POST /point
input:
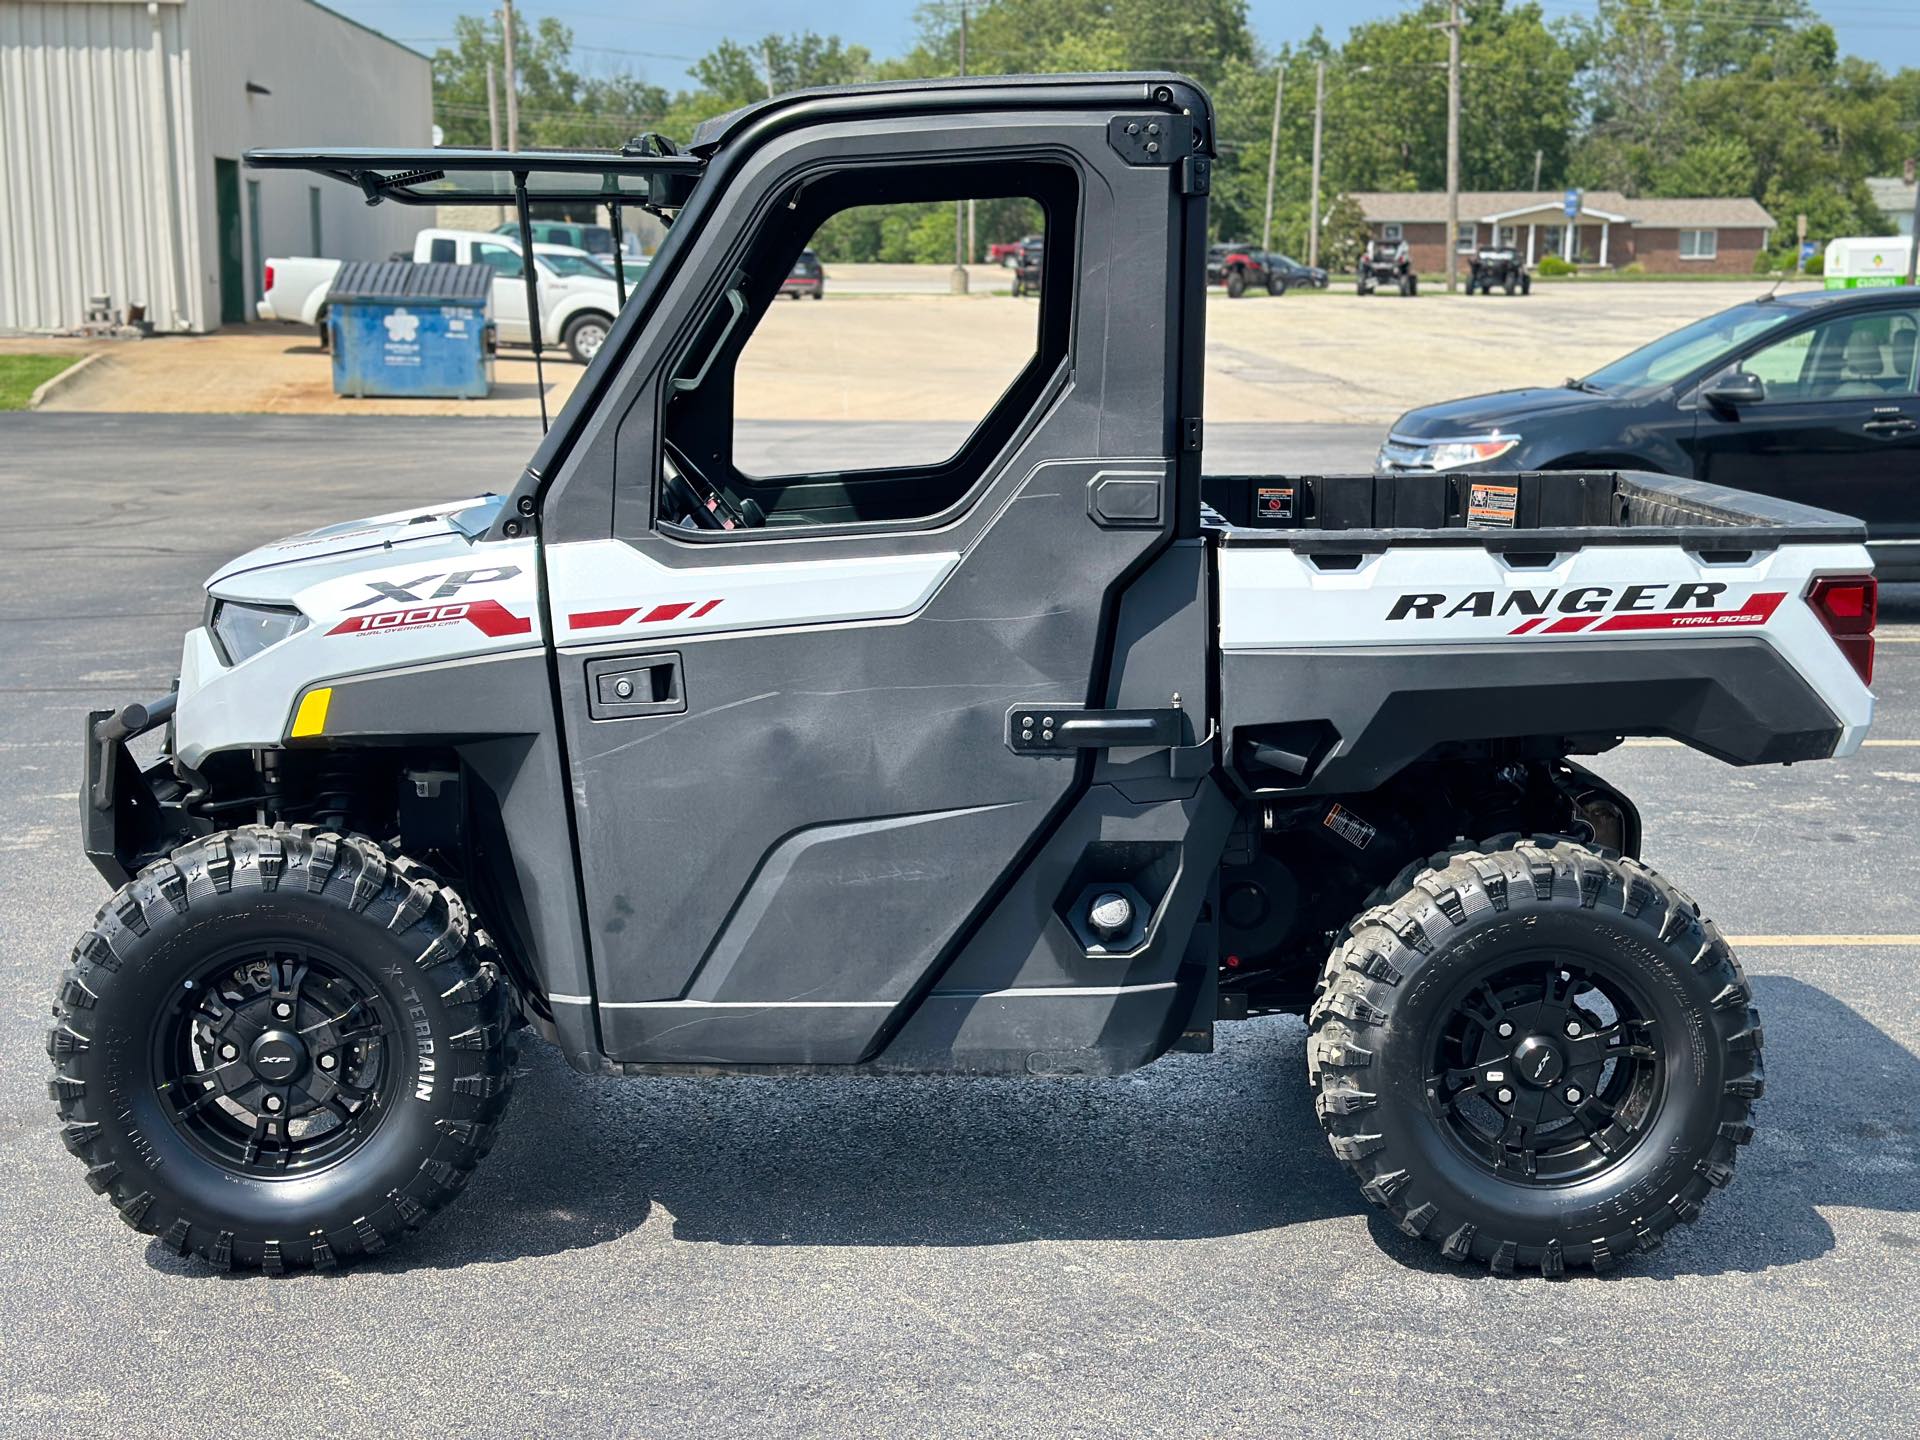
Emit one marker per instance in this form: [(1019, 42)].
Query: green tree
[(559, 106)]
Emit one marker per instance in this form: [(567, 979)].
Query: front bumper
[(129, 816)]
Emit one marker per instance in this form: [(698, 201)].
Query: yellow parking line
[(1806, 940)]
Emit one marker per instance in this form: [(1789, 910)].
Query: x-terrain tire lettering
[(1537, 1056), (278, 1048)]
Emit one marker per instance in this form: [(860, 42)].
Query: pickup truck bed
[(1638, 605)]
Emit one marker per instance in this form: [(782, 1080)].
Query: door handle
[(624, 686), (1891, 425)]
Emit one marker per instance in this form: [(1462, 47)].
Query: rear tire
[(1236, 284), (278, 1049), (585, 334), (1630, 1010)]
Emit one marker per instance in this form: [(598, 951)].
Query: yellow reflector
[(311, 718)]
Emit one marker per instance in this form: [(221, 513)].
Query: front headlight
[(242, 631), (1402, 454)]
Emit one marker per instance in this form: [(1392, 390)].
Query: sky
[(658, 39)]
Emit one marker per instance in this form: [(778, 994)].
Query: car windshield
[(1688, 348), (576, 265)]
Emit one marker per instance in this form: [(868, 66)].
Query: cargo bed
[(1366, 620)]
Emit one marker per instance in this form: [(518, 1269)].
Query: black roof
[(966, 92)]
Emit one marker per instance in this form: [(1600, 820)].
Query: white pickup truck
[(578, 295)]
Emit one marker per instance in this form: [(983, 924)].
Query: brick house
[(1714, 235)]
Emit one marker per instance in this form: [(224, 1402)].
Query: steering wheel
[(705, 504)]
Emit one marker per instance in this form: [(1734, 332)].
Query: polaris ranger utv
[(1038, 759)]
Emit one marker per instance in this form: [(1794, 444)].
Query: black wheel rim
[(1547, 1070), (274, 1060)]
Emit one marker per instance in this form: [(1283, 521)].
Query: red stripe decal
[(703, 609), (666, 612), (494, 619), (1526, 625), (1569, 625), (598, 619), (1757, 611)]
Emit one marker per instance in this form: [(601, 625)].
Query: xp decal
[(451, 584)]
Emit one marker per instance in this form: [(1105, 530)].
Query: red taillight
[(1847, 606), (269, 284)]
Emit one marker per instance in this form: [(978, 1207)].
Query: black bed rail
[(1531, 511)]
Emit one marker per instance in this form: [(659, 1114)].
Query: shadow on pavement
[(1191, 1147)]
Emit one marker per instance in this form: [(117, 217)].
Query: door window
[(808, 406), (440, 251), (1867, 356), (504, 261)]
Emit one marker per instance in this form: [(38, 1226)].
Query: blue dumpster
[(401, 329)]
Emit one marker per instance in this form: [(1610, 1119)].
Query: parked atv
[(1384, 264), (1039, 759), (1503, 268)]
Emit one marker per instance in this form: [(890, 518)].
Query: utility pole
[(513, 87), (973, 248), (493, 128), (960, 218), (1273, 156), (1313, 201), (766, 63), (1453, 144), (1538, 156)]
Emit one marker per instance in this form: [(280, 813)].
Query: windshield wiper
[(1586, 386)]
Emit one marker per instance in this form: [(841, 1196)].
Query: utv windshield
[(1687, 349)]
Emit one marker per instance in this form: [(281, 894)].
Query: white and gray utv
[(1042, 758)]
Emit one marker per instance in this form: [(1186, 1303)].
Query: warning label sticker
[(1273, 503), (1349, 827), (1492, 507)]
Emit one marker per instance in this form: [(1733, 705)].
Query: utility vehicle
[(1040, 758), (1503, 267), (1236, 268), (1385, 263)]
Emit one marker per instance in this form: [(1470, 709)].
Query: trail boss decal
[(1695, 605)]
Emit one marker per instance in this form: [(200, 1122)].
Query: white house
[(122, 123)]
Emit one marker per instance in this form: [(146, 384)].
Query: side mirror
[(1735, 389)]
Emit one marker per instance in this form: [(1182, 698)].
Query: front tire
[(1236, 284), (1537, 1057), (279, 1049)]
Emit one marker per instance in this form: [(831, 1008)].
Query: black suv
[(806, 277), (1811, 397)]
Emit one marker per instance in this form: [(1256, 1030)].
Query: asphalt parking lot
[(1169, 1252)]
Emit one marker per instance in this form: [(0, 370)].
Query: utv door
[(788, 676)]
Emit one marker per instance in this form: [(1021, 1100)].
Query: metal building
[(121, 130)]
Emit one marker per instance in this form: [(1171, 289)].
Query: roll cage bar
[(648, 172)]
